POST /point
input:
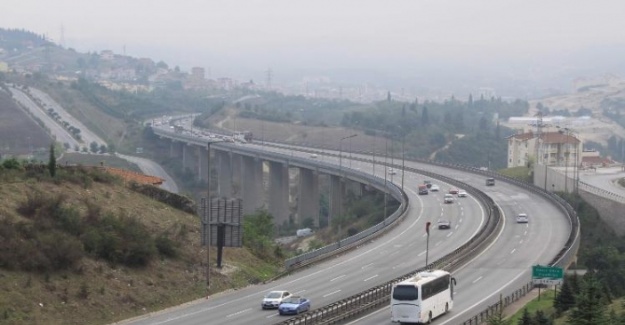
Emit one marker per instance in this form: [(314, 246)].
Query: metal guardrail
[(601, 192)]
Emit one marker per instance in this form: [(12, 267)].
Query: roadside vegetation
[(77, 246)]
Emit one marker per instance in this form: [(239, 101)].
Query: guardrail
[(601, 192)]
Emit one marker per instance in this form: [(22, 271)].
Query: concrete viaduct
[(240, 171)]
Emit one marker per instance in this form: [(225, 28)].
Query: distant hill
[(20, 39)]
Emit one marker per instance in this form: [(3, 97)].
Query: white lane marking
[(338, 277), (478, 279), (272, 315), (366, 266), (449, 234), (513, 250), (369, 278), (421, 253), (239, 312), (331, 293)]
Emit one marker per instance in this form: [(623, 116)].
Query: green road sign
[(547, 275), (547, 272)]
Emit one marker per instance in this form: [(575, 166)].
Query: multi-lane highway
[(401, 251), (57, 131), (501, 269)]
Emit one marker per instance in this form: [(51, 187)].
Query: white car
[(462, 193), (449, 198), (392, 171), (522, 218), (434, 188), (274, 298), (313, 155)]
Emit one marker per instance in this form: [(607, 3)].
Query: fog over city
[(519, 48)]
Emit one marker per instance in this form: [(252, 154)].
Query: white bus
[(423, 297)]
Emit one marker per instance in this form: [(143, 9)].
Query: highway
[(401, 251), (87, 135), (605, 178), (58, 132), (506, 266), (500, 270)]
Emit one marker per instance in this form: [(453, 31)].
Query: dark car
[(294, 305), (427, 183), (490, 181), (444, 224)]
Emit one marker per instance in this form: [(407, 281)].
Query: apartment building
[(560, 148)]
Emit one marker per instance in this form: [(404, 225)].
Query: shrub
[(165, 246)]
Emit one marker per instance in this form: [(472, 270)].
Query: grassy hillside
[(84, 249)]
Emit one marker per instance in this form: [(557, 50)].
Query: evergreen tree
[(525, 318), (565, 299), (575, 283), (541, 319), (590, 306), (52, 161)]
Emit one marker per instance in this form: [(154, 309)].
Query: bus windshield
[(405, 292)]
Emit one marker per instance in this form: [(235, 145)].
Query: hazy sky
[(232, 36)]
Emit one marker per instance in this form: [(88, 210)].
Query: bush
[(120, 240), (165, 246)]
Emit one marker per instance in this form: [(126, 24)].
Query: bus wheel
[(446, 308), (429, 318)]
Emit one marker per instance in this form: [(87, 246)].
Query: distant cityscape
[(31, 54)]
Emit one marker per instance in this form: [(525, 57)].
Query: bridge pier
[(279, 192), (252, 184), (308, 202)]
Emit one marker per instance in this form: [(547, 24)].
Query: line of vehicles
[(285, 302), (419, 299)]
